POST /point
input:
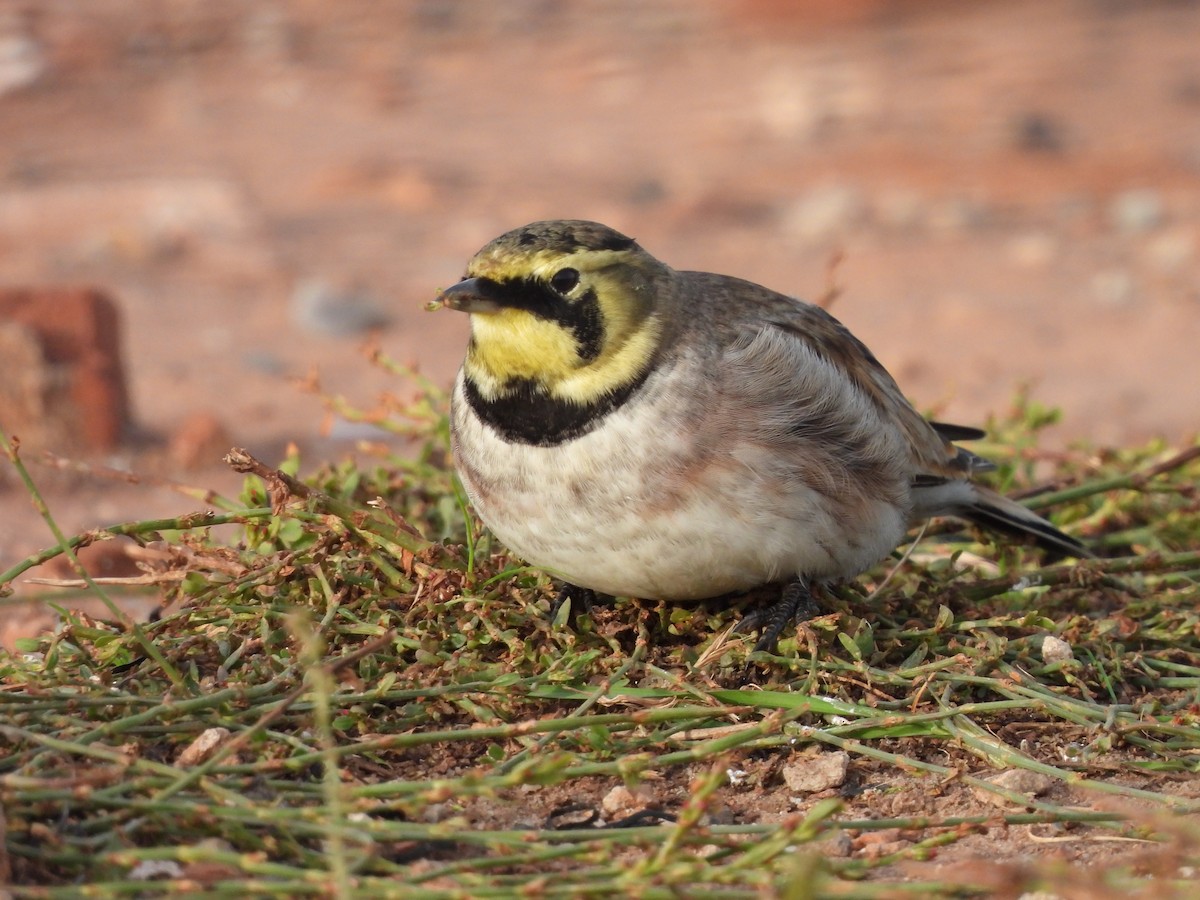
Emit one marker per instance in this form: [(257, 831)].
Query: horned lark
[(639, 431)]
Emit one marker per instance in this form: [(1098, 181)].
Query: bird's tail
[(996, 512)]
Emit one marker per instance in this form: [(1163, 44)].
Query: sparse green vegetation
[(352, 693)]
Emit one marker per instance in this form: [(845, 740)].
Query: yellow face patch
[(512, 344), (611, 370)]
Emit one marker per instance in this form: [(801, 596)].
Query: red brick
[(79, 401)]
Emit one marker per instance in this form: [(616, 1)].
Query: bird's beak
[(472, 295)]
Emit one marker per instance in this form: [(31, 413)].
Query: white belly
[(631, 509)]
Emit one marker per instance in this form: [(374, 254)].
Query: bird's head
[(568, 306)]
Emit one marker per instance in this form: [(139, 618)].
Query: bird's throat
[(526, 378), (525, 412)]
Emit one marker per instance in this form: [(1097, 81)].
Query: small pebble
[(839, 846), (156, 870), (619, 802), (1039, 132), (1021, 781), (203, 747), (1056, 650), (1136, 211), (322, 308), (23, 61), (817, 773)]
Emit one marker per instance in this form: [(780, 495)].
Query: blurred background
[(1004, 192)]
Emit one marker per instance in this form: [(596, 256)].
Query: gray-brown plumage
[(639, 431)]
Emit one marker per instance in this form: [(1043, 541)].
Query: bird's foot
[(580, 600), (796, 604)]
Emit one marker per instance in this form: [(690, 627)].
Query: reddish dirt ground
[(1013, 190)]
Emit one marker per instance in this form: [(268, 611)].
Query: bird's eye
[(564, 280)]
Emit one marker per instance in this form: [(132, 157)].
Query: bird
[(639, 431)]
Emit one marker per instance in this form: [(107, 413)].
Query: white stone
[(1136, 211), (817, 773), (1056, 650), (22, 60), (1021, 781)]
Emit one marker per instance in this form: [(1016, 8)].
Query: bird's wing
[(744, 311), (933, 455), (828, 405)]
